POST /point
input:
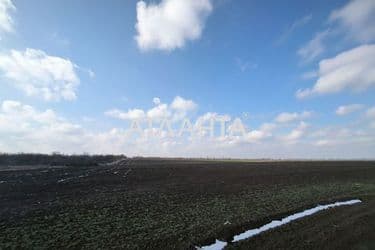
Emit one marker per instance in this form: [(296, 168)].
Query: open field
[(178, 204)]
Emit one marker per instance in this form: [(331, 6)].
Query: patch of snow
[(219, 245), (290, 218)]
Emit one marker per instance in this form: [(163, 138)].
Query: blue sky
[(283, 69)]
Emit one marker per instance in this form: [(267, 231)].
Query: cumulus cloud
[(156, 100), (265, 131), (131, 114), (36, 131), (182, 104), (171, 23), (177, 110), (46, 131), (357, 18), (336, 138), (347, 109), (296, 133), (6, 21), (286, 117), (256, 135), (39, 74), (160, 111), (28, 116), (212, 116), (350, 70)]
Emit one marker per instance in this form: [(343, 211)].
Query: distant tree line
[(56, 159)]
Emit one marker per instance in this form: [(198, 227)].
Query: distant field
[(178, 204)]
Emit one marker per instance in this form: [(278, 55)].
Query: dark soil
[(177, 204)]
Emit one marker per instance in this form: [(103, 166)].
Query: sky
[(291, 80)]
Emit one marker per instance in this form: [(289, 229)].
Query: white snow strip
[(219, 245)]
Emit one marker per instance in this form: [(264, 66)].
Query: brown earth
[(178, 204)]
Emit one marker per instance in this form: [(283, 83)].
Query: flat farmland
[(152, 203)]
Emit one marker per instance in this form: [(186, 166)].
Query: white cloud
[(257, 135), (38, 74), (350, 70), (131, 114), (314, 48), (182, 104), (324, 142), (36, 131), (11, 107), (357, 18), (171, 23), (347, 109), (268, 127), (211, 116), (6, 21), (336, 138), (44, 131), (160, 111), (177, 110), (156, 100), (18, 111), (182, 107), (296, 133), (286, 117)]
